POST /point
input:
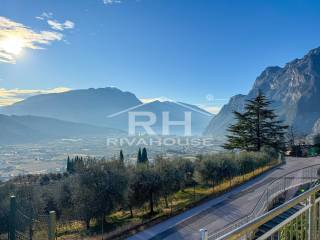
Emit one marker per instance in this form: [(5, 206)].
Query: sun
[(12, 45)]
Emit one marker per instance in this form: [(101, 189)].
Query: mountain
[(218, 125), (91, 106), (107, 107), (316, 128), (294, 90), (315, 131), (28, 129)]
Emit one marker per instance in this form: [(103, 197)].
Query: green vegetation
[(315, 149), (97, 196), (305, 150), (142, 156), (257, 127)]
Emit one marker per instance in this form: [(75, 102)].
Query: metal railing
[(275, 188), (303, 224)]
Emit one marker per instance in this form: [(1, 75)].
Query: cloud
[(209, 108), (55, 25), (160, 99), (45, 15), (212, 109), (68, 24), (112, 2), (10, 96), (15, 36), (116, 2)]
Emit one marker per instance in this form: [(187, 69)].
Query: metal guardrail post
[(313, 218), (12, 220), (204, 234), (52, 225)]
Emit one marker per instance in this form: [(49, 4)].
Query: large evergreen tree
[(257, 127)]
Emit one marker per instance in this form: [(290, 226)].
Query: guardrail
[(304, 224), (290, 180)]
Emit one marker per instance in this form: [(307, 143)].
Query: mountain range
[(91, 106), (293, 89), (105, 107)]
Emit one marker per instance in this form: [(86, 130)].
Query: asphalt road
[(221, 211)]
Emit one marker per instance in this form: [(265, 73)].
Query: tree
[(139, 157), (100, 190), (75, 164), (186, 169), (65, 198), (5, 191), (83, 199), (44, 180), (209, 171), (130, 195), (144, 156), (146, 187), (50, 203), (121, 157), (228, 169), (170, 177), (68, 165), (247, 162), (257, 127)]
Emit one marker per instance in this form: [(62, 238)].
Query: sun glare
[(12, 45)]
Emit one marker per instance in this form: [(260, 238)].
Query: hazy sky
[(187, 50)]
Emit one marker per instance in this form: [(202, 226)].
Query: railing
[(303, 224), (290, 180)]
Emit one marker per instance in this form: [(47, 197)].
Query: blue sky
[(185, 50)]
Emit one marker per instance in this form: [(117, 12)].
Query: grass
[(120, 223)]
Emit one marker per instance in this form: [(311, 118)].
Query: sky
[(196, 51)]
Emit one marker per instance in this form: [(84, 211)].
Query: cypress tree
[(257, 127), (121, 157), (71, 168), (144, 156), (139, 158), (68, 164)]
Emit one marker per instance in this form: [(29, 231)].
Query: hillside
[(28, 129)]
